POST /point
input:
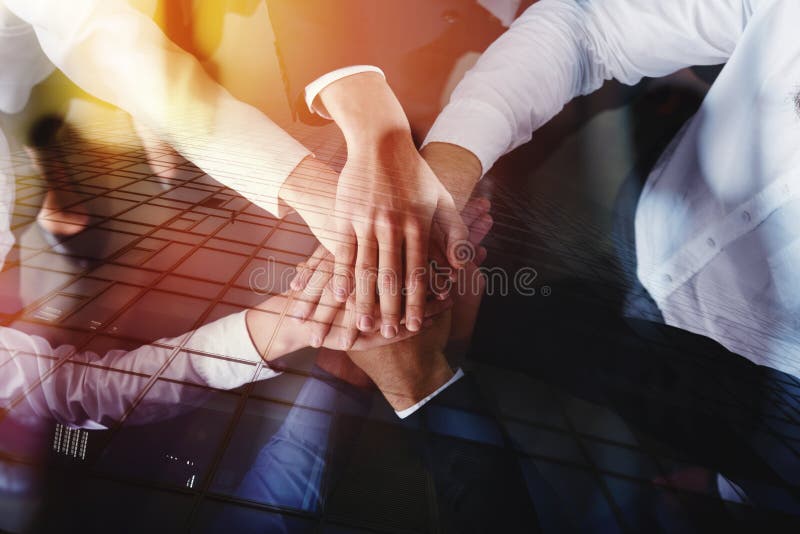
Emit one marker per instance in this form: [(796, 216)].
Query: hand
[(314, 299), (330, 323), (274, 333), (407, 371), (388, 206)]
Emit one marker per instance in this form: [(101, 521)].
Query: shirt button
[(746, 216), (711, 242)]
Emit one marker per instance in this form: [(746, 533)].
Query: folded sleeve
[(119, 55), (560, 49)]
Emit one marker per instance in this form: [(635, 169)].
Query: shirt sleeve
[(7, 196), (315, 88), (227, 338), (119, 55), (402, 414), (560, 49), (89, 390)]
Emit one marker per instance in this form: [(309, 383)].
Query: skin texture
[(315, 279), (275, 332), (311, 191), (390, 207), (408, 369), (393, 210), (457, 168)]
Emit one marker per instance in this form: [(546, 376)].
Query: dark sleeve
[(415, 42), (476, 474), (314, 37)]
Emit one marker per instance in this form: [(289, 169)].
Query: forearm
[(520, 82), (367, 111), (272, 333), (311, 186)]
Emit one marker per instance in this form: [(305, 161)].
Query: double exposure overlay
[(399, 266)]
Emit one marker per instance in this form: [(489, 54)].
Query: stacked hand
[(315, 302), (392, 214), (409, 368), (387, 218)]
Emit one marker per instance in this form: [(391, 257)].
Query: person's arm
[(90, 390), (391, 211), (119, 55), (559, 49), (408, 371), (413, 371)]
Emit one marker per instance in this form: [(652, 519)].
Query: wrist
[(342, 367), (457, 168), (310, 188), (367, 112), (271, 336), (301, 179), (402, 396)]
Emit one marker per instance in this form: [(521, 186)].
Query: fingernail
[(340, 293), (388, 331), (413, 324), (315, 341), (365, 323), (344, 343)]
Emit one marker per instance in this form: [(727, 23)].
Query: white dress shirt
[(718, 241), (97, 395), (117, 54), (93, 397)]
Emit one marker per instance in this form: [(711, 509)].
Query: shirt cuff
[(315, 88), (402, 414), (475, 126), (228, 338)]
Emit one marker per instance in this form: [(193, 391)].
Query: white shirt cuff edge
[(315, 88), (402, 414)]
